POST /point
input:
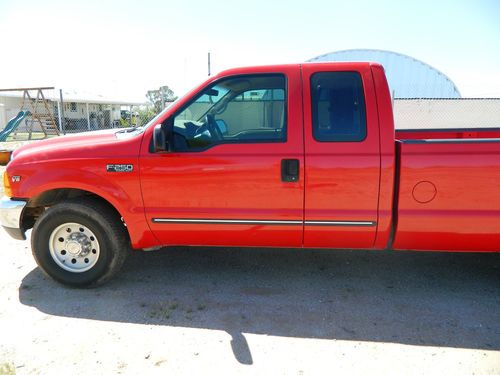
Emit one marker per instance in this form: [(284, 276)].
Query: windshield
[(214, 100), (155, 118)]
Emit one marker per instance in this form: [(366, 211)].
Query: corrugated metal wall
[(407, 77)]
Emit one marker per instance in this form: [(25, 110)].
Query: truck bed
[(448, 196)]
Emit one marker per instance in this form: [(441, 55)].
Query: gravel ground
[(256, 311), (265, 311)]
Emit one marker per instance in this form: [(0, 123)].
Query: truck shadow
[(431, 299)]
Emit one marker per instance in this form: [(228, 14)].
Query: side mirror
[(160, 142)]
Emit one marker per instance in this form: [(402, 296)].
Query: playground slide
[(12, 125)]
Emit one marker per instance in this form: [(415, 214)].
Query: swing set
[(37, 113)]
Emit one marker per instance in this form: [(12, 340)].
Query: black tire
[(100, 220)]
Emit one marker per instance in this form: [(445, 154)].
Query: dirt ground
[(265, 311)]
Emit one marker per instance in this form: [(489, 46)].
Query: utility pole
[(162, 96), (62, 126), (209, 64)]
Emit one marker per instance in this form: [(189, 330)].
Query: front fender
[(120, 189)]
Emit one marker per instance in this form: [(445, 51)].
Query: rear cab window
[(338, 107)]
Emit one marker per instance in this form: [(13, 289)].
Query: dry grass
[(7, 369), (12, 145)]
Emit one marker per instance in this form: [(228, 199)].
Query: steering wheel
[(213, 128)]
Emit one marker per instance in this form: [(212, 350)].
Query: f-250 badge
[(119, 168)]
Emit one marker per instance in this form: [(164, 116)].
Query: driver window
[(243, 109)]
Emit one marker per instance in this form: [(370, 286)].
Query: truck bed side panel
[(449, 195)]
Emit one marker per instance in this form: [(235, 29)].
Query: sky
[(124, 48)]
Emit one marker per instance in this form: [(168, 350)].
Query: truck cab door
[(342, 156), (234, 173)]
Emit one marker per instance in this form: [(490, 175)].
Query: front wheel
[(80, 243)]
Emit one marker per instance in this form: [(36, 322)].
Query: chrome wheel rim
[(74, 247)]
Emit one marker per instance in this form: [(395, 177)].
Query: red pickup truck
[(301, 155)]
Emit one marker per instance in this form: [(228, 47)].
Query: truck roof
[(277, 67)]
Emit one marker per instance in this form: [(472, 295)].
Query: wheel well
[(37, 205)]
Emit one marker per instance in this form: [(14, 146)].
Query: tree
[(146, 114), (159, 98)]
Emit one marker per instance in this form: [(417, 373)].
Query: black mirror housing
[(160, 141)]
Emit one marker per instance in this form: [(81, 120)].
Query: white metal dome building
[(407, 77)]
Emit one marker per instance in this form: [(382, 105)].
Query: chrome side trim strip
[(341, 223), (265, 222), (227, 221)]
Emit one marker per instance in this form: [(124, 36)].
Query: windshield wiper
[(130, 130)]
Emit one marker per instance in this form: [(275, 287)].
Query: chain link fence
[(447, 113), (79, 117), (35, 113)]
